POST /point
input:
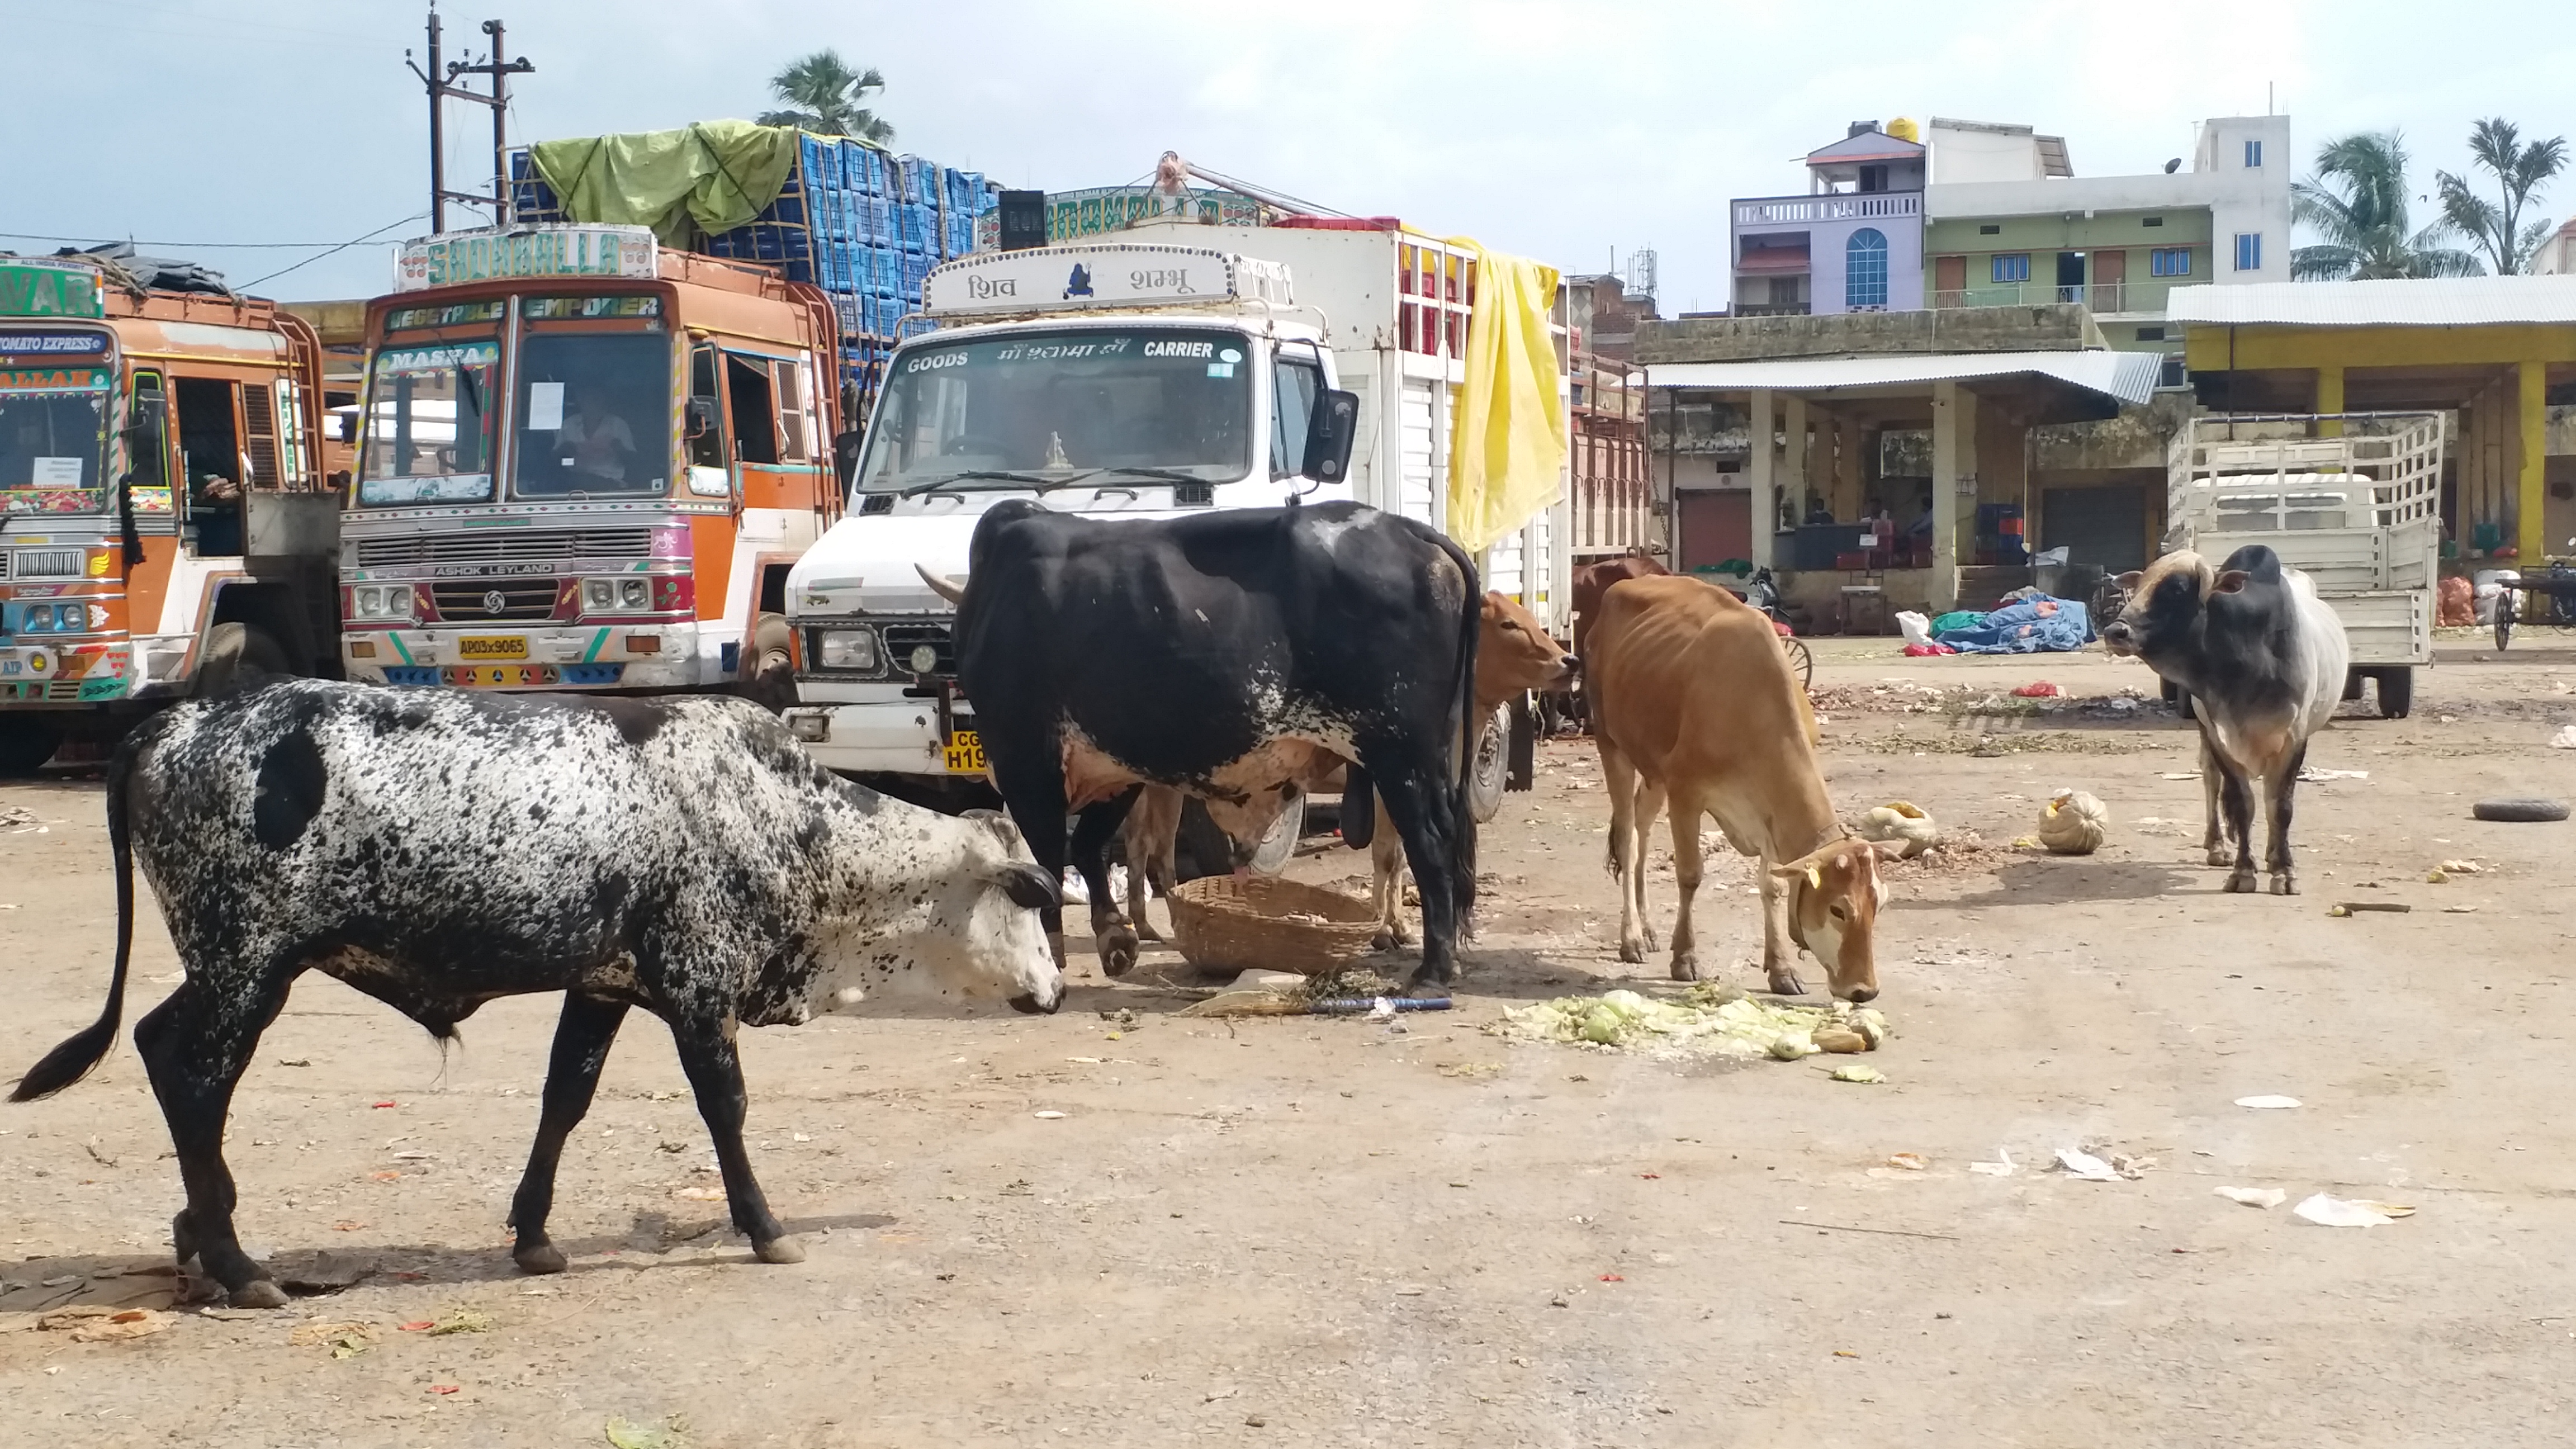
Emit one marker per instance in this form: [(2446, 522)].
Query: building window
[(1865, 269), (2253, 153), (2011, 267), (2170, 262), (2175, 374), (1873, 178), (2151, 334), (1991, 228), (2152, 221), (2249, 251)]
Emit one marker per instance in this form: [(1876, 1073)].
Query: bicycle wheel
[(2503, 619)]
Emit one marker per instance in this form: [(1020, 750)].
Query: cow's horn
[(945, 587)]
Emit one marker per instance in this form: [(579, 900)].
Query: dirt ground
[(1084, 1230)]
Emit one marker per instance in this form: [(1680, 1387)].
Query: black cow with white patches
[(1229, 656), (438, 850)]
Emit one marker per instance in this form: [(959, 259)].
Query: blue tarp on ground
[(2023, 627)]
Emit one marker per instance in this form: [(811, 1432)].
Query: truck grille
[(469, 601), (902, 639), (498, 546)]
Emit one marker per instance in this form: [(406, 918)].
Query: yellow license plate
[(964, 754), (492, 646)]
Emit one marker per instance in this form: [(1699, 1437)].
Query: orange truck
[(168, 515), (586, 462)]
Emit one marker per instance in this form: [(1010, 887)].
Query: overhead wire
[(342, 247)]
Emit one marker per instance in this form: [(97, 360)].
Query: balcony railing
[(1772, 309), (1849, 206), (2103, 297)]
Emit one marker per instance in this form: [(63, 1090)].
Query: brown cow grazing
[(1514, 654), (1693, 701)]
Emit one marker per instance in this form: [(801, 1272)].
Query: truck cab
[(167, 518), (586, 462), (1111, 381)]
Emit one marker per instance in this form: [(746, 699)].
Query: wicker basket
[(1231, 923)]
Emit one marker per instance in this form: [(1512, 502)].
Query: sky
[(1571, 133)]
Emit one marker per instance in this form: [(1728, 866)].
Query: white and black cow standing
[(1224, 655), (437, 850), (2264, 660)]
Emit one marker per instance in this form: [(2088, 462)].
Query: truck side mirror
[(845, 456), (1330, 431), (702, 416)]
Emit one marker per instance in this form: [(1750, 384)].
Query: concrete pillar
[(2330, 399), (1793, 455), (2531, 460), (1760, 473), (1954, 438)]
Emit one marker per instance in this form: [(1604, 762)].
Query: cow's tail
[(1467, 730), (82, 1051)]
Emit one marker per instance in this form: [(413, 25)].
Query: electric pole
[(441, 82)]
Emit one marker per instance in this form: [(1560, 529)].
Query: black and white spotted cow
[(438, 850)]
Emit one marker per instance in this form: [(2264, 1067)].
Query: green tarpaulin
[(710, 177)]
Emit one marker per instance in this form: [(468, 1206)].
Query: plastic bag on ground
[(1916, 628), (2334, 1212)]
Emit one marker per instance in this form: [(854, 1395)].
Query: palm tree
[(824, 96), (2520, 171), (2356, 201)]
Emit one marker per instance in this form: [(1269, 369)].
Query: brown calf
[(1693, 702)]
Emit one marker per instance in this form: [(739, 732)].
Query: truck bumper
[(895, 738), (585, 656)]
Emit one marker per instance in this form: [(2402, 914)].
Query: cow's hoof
[(2218, 855), (183, 1238), (2241, 883), (539, 1258), (1384, 940), (1145, 930), (257, 1293), (1686, 967), (2282, 885), (1117, 951), (1631, 951), (1786, 983), (779, 1250)]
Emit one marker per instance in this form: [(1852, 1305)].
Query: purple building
[(1853, 243)]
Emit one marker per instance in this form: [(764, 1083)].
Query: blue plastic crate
[(822, 157), (788, 209)]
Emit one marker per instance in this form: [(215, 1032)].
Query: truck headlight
[(616, 596), (848, 649), (634, 594), (381, 602)]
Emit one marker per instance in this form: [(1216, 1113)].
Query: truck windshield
[(1040, 406), (54, 391), (594, 414), (430, 413)]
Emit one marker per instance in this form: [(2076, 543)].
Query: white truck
[(2352, 499), (1178, 368)]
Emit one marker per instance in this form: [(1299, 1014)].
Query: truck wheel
[(1279, 846), (1487, 772), (2396, 693), (236, 654), (2182, 704), (768, 673), (26, 743), (2170, 690), (2352, 680)]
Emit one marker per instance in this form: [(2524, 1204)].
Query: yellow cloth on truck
[(1507, 459), (712, 176)]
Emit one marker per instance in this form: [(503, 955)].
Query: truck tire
[(26, 742), (2396, 692), (2352, 681), (2520, 811), (1488, 769), (767, 676), (235, 654), (2181, 700), (1198, 847)]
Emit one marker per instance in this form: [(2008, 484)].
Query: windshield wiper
[(1038, 481), (1166, 475)]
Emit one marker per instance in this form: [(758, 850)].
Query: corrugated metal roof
[(2428, 302), (2129, 377)]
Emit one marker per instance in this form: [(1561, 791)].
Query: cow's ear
[(2230, 582), (1027, 886), (997, 822), (2129, 581)]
